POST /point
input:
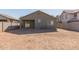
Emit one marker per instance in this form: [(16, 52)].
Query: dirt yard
[(62, 39)]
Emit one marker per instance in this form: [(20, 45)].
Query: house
[(38, 20), (6, 21), (70, 19)]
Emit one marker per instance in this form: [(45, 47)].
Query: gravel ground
[(60, 40)]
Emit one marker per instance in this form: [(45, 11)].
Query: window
[(51, 22), (27, 25), (75, 14), (39, 20)]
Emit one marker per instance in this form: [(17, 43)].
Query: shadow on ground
[(69, 29), (16, 30)]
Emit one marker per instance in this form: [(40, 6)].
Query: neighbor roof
[(7, 16), (71, 11)]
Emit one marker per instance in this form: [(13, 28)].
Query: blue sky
[(21, 12)]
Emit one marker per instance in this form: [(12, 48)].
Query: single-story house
[(6, 21), (70, 19), (38, 20)]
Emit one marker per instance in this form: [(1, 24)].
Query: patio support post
[(2, 26)]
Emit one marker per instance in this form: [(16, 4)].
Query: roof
[(7, 16), (71, 11), (35, 13), (73, 20)]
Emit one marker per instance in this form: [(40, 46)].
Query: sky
[(22, 12)]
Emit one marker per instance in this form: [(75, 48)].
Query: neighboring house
[(6, 21), (38, 20), (70, 19)]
